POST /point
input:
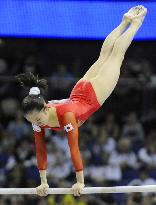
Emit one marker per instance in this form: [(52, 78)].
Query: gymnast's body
[(87, 96)]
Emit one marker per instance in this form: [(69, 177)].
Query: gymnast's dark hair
[(32, 102)]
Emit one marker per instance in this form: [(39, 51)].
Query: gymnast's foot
[(141, 12), (137, 12), (129, 15)]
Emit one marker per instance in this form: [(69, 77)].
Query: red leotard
[(80, 105)]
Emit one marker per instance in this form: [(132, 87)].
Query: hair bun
[(29, 81)]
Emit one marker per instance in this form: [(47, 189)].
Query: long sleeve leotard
[(70, 112)]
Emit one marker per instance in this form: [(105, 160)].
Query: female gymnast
[(87, 96)]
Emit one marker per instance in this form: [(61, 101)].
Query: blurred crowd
[(118, 143)]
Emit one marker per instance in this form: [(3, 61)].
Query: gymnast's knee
[(118, 53), (117, 57)]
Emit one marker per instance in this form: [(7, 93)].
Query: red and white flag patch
[(68, 127)]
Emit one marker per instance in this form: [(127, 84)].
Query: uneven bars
[(87, 190)]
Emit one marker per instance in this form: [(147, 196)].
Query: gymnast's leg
[(107, 48), (107, 77)]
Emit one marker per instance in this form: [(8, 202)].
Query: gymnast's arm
[(71, 127), (41, 156)]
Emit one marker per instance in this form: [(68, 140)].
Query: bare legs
[(105, 77), (106, 49)]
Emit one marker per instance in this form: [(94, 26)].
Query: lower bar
[(87, 190)]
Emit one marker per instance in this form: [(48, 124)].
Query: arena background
[(60, 40)]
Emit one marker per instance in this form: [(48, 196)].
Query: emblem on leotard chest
[(68, 127)]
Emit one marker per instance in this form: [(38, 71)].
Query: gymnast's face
[(39, 118)]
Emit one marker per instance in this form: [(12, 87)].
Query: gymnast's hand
[(42, 190), (77, 188)]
